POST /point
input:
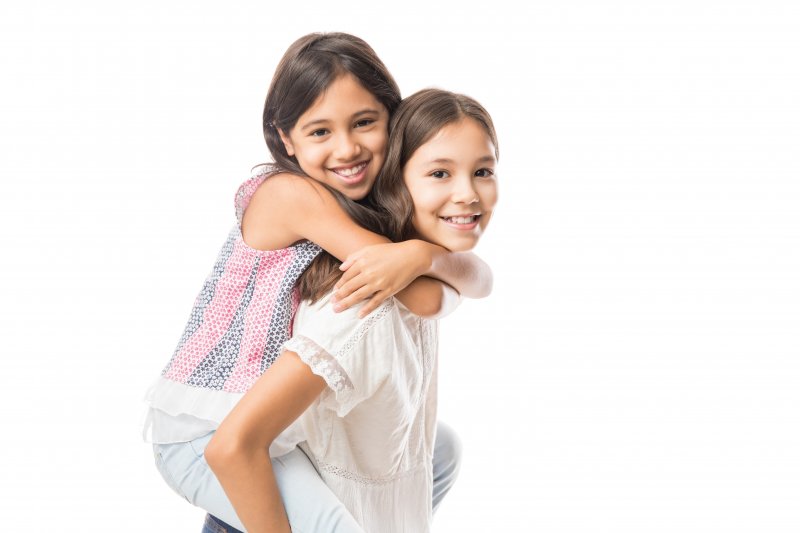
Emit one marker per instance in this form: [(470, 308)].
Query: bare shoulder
[(267, 222), (289, 191)]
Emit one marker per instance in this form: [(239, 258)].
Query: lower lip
[(462, 227), (355, 178)]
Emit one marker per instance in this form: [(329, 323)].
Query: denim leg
[(310, 504), (446, 462), (213, 524)]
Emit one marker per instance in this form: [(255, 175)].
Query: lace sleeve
[(321, 362), (334, 346)]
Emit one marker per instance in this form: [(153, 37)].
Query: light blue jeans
[(310, 504)]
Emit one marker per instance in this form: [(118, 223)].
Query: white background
[(637, 366)]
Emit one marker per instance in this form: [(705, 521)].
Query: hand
[(378, 272)]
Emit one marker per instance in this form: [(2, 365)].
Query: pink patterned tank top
[(239, 322)]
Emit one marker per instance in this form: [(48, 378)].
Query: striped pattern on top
[(243, 314)]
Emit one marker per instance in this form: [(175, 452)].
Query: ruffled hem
[(176, 399), (324, 365)]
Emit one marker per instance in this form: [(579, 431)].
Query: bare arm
[(286, 209), (419, 292), (464, 271), (238, 454)]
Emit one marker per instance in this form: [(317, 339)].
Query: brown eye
[(439, 174), (484, 173)]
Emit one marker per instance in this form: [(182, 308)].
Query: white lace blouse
[(371, 432)]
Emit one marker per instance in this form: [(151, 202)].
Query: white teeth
[(347, 172), (462, 220)]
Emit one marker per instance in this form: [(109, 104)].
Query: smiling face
[(452, 183), (341, 139)]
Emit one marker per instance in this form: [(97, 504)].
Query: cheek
[(422, 199), (378, 146), (488, 195), (311, 154), (428, 206)]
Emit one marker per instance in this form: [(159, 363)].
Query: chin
[(459, 246), (356, 195)]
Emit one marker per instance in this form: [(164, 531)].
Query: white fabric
[(168, 403), (163, 428), (371, 432)]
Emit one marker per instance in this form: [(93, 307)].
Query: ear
[(287, 142)]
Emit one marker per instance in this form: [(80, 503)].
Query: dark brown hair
[(419, 117), (310, 65), (323, 273)]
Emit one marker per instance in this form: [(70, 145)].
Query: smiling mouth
[(471, 219), (351, 171)]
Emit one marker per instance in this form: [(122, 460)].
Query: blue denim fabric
[(213, 524), (446, 462), (310, 505)]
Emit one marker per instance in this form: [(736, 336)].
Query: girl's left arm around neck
[(438, 273)]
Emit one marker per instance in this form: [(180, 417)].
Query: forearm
[(238, 453), (249, 483), (446, 276), (429, 298), (464, 271), (379, 271)]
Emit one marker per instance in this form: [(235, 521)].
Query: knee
[(221, 453)]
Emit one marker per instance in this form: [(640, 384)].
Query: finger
[(373, 303), (350, 260), (346, 277), (345, 303), (348, 287)]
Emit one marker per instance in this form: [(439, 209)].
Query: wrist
[(426, 253)]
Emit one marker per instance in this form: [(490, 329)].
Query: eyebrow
[(357, 114), (444, 160)]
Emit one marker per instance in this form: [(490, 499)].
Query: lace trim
[(321, 363), (365, 325), (338, 471)]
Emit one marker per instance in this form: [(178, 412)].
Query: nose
[(347, 148), (464, 191)]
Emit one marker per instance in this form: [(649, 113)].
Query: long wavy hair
[(419, 117), (309, 66)]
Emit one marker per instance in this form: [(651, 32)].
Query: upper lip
[(464, 215), (345, 167)]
